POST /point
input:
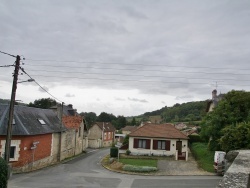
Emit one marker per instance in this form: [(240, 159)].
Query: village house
[(128, 129), (39, 138), (101, 134), (158, 139), (76, 140)]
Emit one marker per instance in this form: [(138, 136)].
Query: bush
[(3, 173), (194, 138), (128, 152), (113, 152), (132, 168)]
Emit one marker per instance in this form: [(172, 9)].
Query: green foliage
[(194, 138), (132, 168), (235, 137), (191, 111), (105, 117), (233, 109), (3, 173), (114, 152), (126, 140), (203, 156), (128, 152), (90, 118), (119, 122), (44, 103)]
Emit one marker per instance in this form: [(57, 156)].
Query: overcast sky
[(125, 57)]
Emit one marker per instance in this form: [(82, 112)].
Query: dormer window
[(41, 121)]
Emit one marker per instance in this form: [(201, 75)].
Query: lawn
[(140, 162), (203, 156)]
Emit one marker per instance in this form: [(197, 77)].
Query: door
[(179, 146)]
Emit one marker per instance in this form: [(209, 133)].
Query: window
[(41, 121), (105, 136), (142, 144), (109, 135), (161, 144), (12, 152), (79, 132)]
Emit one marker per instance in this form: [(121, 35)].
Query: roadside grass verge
[(203, 156), (140, 162)]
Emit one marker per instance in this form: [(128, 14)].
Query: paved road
[(86, 172)]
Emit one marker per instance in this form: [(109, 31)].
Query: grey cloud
[(69, 95), (138, 100), (119, 99)]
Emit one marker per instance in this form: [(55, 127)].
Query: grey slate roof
[(27, 123)]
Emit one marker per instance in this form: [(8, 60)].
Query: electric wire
[(105, 68), (22, 69), (134, 64), (7, 54)]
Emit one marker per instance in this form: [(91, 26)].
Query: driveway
[(172, 167)]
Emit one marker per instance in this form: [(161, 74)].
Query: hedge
[(3, 173)]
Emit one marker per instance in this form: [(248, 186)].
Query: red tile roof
[(158, 131), (129, 128), (108, 127)]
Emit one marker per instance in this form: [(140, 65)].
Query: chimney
[(214, 94)]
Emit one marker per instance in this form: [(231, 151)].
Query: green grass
[(140, 162), (204, 157)]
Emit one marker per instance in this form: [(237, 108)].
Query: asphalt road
[(87, 172)]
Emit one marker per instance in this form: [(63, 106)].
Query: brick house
[(101, 134), (34, 132), (158, 139), (39, 138)]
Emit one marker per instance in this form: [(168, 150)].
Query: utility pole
[(11, 112)]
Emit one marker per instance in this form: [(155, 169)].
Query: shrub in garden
[(132, 168), (113, 152), (128, 152), (3, 173)]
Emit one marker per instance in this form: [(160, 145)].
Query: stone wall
[(238, 170)]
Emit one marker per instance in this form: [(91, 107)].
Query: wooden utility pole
[(11, 111)]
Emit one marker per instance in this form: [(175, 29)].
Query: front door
[(179, 146)]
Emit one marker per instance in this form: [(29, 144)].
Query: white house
[(158, 139)]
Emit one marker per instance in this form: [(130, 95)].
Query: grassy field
[(140, 162), (203, 156)]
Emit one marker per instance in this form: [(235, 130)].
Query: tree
[(44, 103), (236, 137), (90, 118), (105, 117), (233, 109)]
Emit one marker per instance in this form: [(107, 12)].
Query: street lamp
[(29, 80)]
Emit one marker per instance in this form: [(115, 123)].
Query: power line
[(145, 81), (137, 75), (132, 64), (7, 66), (7, 54), (141, 70), (39, 84)]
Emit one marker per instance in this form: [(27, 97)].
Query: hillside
[(185, 112)]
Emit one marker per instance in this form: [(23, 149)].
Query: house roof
[(108, 127), (30, 121), (158, 131), (129, 128)]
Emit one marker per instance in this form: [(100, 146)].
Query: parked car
[(219, 162)]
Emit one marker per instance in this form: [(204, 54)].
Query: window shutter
[(155, 144), (136, 141), (168, 145), (147, 144)]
